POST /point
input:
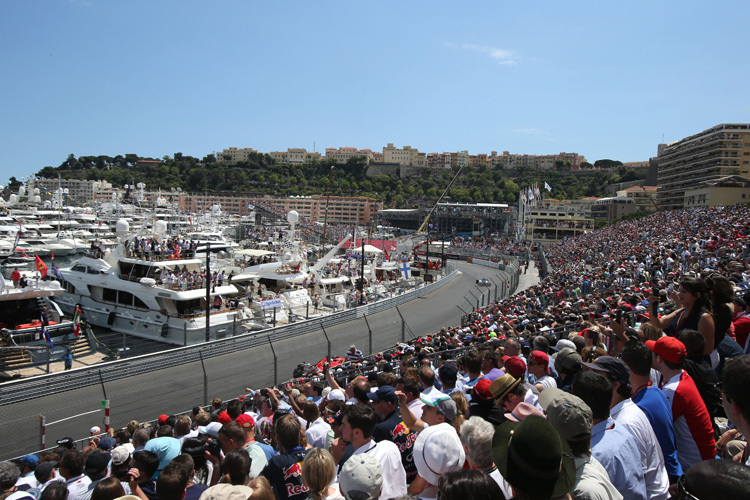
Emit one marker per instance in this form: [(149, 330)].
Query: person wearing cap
[(628, 415), (567, 363), (572, 418), (448, 376), (508, 392), (652, 401), (27, 478), (359, 421), (539, 368), (361, 478), (437, 450), (165, 446), (534, 459), (476, 438), (611, 444), (392, 427), (257, 453), (96, 469), (482, 401), (694, 434)]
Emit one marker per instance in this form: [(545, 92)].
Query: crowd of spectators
[(623, 374)]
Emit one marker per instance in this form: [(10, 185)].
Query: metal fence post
[(42, 431), (327, 340), (205, 380), (403, 326), (275, 363), (369, 334)]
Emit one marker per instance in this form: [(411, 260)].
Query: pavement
[(58, 365), (528, 278)]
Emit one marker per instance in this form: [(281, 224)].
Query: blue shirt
[(654, 404), (616, 450)]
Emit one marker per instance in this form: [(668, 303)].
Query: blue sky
[(604, 80)]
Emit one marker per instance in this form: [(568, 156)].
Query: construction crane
[(423, 227)]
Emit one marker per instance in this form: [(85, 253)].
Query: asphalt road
[(178, 389)]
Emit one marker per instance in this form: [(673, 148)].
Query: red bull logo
[(400, 429), (294, 470)]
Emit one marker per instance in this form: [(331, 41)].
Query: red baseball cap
[(245, 421), (669, 348), (224, 418), (482, 389), (163, 419), (540, 357), (514, 365)]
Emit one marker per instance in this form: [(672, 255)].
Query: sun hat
[(523, 410), (438, 450), (567, 413), (533, 457), (502, 386)]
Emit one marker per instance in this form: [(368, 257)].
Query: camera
[(211, 446)]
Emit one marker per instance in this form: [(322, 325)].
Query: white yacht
[(21, 315), (132, 295)]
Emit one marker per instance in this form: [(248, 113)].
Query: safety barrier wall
[(36, 387)]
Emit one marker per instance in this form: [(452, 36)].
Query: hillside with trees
[(263, 176)]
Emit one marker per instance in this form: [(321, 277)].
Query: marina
[(148, 279)]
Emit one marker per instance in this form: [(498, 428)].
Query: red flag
[(386, 254), (40, 266), (53, 256)]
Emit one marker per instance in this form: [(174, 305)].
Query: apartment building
[(295, 155), (715, 153), (571, 161), (79, 192), (358, 210), (343, 155), (234, 155), (448, 160), (405, 156)]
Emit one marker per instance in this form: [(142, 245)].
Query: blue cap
[(384, 393), (30, 460)]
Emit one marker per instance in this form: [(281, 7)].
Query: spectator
[(317, 429), (539, 368), (567, 363), (628, 415), (654, 405), (476, 438), (259, 453), (96, 470), (319, 473), (437, 450), (172, 483), (361, 478), (143, 466), (736, 396), (392, 428), (709, 479), (236, 467), (611, 444), (573, 420), (187, 464), (462, 484), (534, 441), (109, 488), (284, 470), (694, 434), (359, 423), (71, 469)]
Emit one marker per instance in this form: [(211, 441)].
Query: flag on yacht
[(47, 338), (40, 266), (547, 186), (77, 321)]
